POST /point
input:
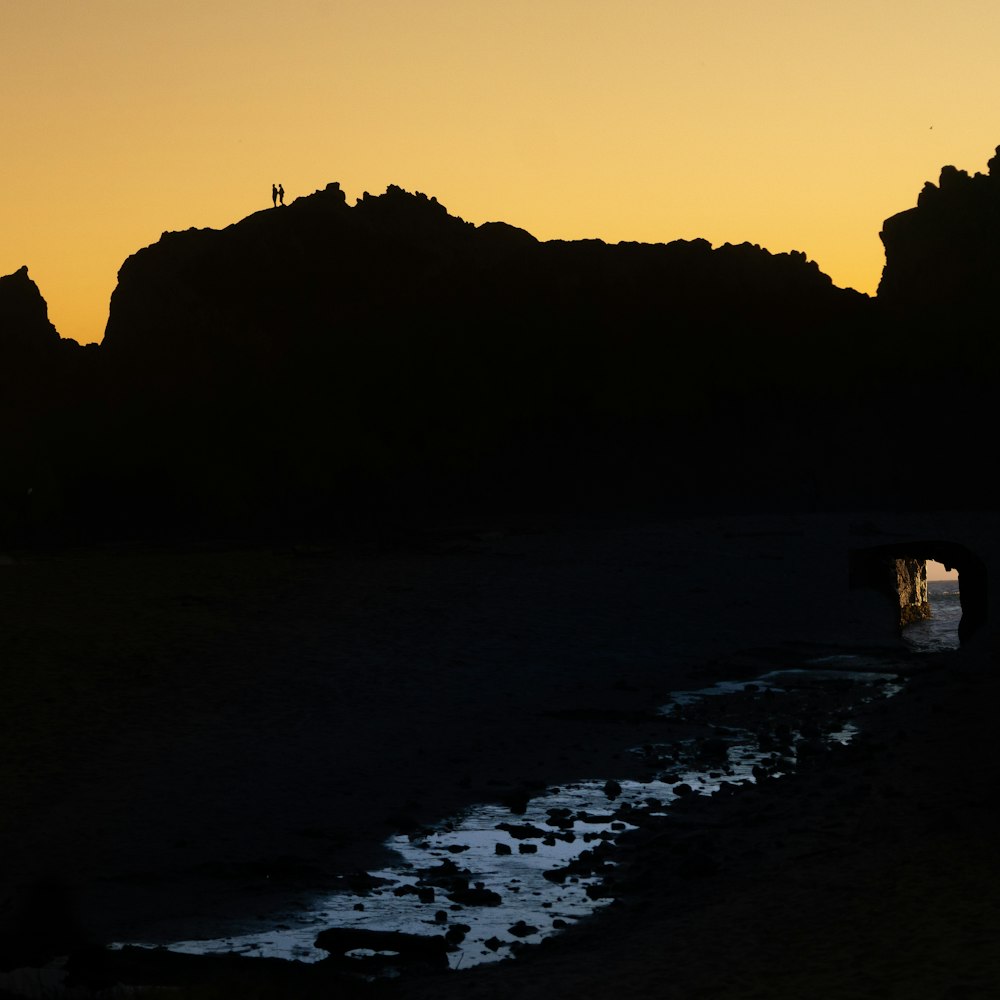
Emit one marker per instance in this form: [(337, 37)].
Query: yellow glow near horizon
[(795, 126), (936, 571)]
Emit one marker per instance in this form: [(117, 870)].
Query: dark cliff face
[(34, 359), (319, 360), (393, 352), (25, 330), (284, 273), (944, 254), (48, 388), (938, 296), (323, 280)]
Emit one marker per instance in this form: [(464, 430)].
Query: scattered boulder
[(522, 929), (476, 895)]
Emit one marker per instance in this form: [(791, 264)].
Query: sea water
[(498, 881), (940, 631)]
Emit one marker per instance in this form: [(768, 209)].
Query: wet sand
[(197, 737), (869, 873)]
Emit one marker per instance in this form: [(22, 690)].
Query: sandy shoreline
[(187, 728)]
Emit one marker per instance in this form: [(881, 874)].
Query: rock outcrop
[(939, 289), (898, 571), (390, 351), (320, 362), (944, 254), (46, 387), (399, 266), (911, 585), (25, 330)]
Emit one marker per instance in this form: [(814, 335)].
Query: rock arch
[(899, 571)]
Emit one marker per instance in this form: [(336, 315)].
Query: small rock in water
[(522, 929), (424, 893), (521, 831), (612, 789), (562, 818), (478, 895), (503, 848)]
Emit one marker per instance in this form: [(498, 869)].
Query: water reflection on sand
[(493, 881)]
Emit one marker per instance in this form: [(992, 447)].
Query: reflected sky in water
[(496, 881)]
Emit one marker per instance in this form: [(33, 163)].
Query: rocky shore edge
[(869, 871)]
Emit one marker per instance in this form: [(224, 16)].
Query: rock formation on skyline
[(44, 386), (24, 317), (393, 357), (944, 254), (322, 269)]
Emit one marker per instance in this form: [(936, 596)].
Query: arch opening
[(899, 572)]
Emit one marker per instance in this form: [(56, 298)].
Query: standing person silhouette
[(281, 194), (274, 195)]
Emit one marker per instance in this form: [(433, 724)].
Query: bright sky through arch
[(792, 125), (936, 571)]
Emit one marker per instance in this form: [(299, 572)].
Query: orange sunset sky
[(794, 125)]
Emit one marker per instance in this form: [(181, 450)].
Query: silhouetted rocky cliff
[(393, 351), (44, 384), (319, 361), (944, 254), (319, 274), (25, 329), (939, 293)]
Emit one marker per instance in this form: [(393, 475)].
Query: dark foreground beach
[(196, 738)]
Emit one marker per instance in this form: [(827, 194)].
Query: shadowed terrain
[(363, 515), (391, 362)]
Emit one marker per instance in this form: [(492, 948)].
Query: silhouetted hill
[(318, 271), (318, 363), (392, 351)]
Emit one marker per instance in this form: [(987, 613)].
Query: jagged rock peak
[(944, 254), (395, 200), (24, 314), (394, 194), (410, 213), (955, 182)]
